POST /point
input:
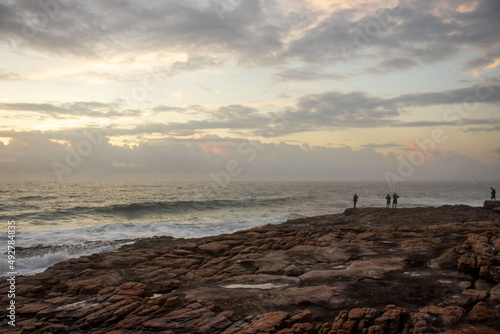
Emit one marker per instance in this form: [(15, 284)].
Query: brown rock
[(55, 328), (49, 282), (214, 248), (266, 323), (86, 287), (172, 302), (33, 308), (300, 317), (180, 318), (61, 300), (472, 329), (78, 310), (475, 295), (491, 204), (483, 312), (123, 311), (392, 320), (134, 289), (495, 293), (398, 256), (452, 315), (132, 322)]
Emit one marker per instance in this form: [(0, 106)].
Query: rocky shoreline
[(418, 270)]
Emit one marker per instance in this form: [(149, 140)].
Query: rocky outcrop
[(492, 205), (421, 270)]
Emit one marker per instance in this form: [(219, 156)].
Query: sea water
[(56, 221)]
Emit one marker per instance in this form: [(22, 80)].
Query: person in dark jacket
[(493, 194), (395, 200), (355, 200), (388, 199)]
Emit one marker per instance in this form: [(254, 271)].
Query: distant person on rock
[(493, 194), (388, 199), (355, 200), (395, 200)]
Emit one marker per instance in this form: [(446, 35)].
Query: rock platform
[(371, 270)]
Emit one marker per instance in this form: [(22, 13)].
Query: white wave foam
[(43, 248), (30, 261)]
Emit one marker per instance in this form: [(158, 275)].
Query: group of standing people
[(395, 197), (388, 199), (394, 200)]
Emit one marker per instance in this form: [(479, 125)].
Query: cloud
[(9, 76), (385, 145), (207, 158), (260, 33), (193, 63), (98, 29), (81, 108), (412, 34), (484, 129), (334, 109), (329, 110), (304, 74)]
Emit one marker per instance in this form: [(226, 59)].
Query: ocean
[(55, 221)]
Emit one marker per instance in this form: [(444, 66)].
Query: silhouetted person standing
[(395, 200), (493, 194), (355, 200), (388, 199)]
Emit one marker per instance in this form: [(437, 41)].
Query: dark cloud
[(484, 129), (99, 29), (333, 109), (257, 33), (414, 33)]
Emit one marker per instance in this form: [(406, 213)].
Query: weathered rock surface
[(420, 270)]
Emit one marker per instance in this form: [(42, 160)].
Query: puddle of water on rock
[(264, 286)]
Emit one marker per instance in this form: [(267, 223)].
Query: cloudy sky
[(248, 89)]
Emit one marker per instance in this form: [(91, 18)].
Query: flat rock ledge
[(409, 270)]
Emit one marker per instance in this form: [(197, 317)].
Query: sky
[(225, 90)]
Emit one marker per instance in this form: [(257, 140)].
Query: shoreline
[(368, 267)]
